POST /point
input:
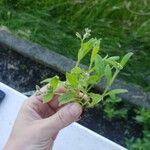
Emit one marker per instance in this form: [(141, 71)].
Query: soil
[(23, 74)]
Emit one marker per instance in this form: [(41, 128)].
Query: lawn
[(122, 25)]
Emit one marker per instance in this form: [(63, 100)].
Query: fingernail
[(75, 109)]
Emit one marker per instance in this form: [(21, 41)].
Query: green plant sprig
[(79, 81)]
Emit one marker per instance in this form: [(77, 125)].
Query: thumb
[(62, 118)]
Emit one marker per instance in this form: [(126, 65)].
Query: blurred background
[(123, 25)]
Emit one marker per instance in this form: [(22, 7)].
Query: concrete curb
[(60, 63)]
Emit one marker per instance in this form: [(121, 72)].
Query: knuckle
[(61, 117)]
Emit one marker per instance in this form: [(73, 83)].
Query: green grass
[(123, 26)]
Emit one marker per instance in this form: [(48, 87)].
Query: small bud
[(87, 33), (78, 35), (119, 66), (87, 30)]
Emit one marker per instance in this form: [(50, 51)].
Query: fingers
[(54, 101), (34, 105), (64, 117)]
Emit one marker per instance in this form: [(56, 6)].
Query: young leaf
[(125, 59), (94, 79), (72, 78), (77, 70), (48, 96), (54, 82), (113, 99), (66, 98), (95, 51), (83, 79), (117, 91), (108, 74), (85, 49), (46, 80), (96, 98), (99, 65), (113, 63)]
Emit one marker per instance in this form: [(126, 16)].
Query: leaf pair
[(112, 61)]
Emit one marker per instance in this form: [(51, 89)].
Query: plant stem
[(77, 64), (114, 76), (112, 80), (78, 61)]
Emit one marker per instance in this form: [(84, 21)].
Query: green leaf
[(54, 82), (72, 78), (125, 59), (113, 99), (83, 79), (117, 91), (77, 70), (139, 119), (67, 97), (46, 80), (114, 58), (85, 49), (108, 74), (112, 112), (94, 79), (95, 51), (99, 65), (98, 70), (48, 96), (109, 111), (96, 98), (113, 63)]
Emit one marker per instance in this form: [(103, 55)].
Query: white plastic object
[(73, 137)]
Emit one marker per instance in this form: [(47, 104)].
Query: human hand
[(38, 124)]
